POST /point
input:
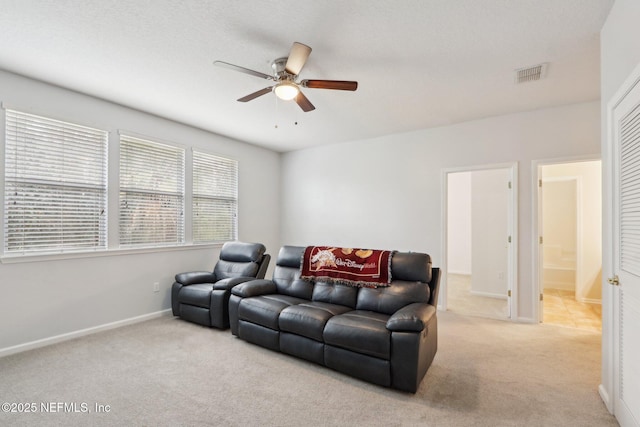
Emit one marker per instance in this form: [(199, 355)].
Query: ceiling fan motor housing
[(279, 71)]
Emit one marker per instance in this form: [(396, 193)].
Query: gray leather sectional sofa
[(385, 335)]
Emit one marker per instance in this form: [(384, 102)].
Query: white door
[(480, 241), (626, 258)]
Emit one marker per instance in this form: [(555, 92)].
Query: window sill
[(16, 259)]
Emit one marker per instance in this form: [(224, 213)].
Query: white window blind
[(215, 198), (55, 186), (151, 193)]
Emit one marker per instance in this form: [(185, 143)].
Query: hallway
[(560, 306), (562, 309)]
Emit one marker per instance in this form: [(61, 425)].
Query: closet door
[(626, 257)]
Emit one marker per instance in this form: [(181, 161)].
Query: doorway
[(479, 242), (570, 254)]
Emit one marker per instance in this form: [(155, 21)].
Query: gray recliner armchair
[(203, 297)]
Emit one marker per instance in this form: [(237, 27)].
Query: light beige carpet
[(167, 372)]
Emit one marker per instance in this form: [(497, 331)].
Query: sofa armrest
[(230, 282), (411, 318), (195, 277), (254, 288)]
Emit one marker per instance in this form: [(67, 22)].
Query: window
[(151, 193), (55, 197), (56, 191), (215, 198)]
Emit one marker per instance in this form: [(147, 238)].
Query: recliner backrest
[(335, 293), (410, 274), (411, 267), (239, 259), (286, 274)]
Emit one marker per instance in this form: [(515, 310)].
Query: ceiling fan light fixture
[(286, 90)]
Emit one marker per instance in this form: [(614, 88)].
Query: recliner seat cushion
[(361, 331), (309, 318), (265, 310), (198, 295)]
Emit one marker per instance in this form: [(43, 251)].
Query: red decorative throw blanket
[(355, 267)]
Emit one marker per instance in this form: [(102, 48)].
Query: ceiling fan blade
[(304, 103), (297, 58), (256, 94), (330, 84), (243, 70)]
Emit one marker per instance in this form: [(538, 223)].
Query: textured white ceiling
[(419, 64)]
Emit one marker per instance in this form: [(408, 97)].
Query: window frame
[(113, 247), (61, 177), (161, 195), (234, 198)]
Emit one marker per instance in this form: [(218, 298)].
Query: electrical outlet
[(156, 287)]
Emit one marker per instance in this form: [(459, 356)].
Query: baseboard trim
[(604, 395), (80, 333), (488, 295), (590, 300)]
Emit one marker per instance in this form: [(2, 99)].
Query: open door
[(569, 238), (625, 127), (479, 241)]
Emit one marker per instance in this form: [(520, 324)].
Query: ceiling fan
[(285, 74)]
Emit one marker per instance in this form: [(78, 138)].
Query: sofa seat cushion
[(361, 331), (265, 310), (198, 295), (309, 318)]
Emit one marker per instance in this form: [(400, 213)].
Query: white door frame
[(512, 215), (536, 225)]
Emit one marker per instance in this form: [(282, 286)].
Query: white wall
[(386, 192), (44, 299), (459, 223), (620, 55), (489, 232)]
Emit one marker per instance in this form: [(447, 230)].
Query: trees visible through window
[(55, 195), (56, 190), (151, 193), (215, 198)]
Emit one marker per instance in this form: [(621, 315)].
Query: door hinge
[(540, 239), (541, 297), (539, 183), (509, 293), (509, 239), (509, 185)]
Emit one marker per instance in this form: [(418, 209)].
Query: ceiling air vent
[(531, 74)]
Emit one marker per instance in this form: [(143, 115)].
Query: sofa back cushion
[(411, 267), (392, 298), (286, 274), (239, 259), (410, 273), (335, 294)]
